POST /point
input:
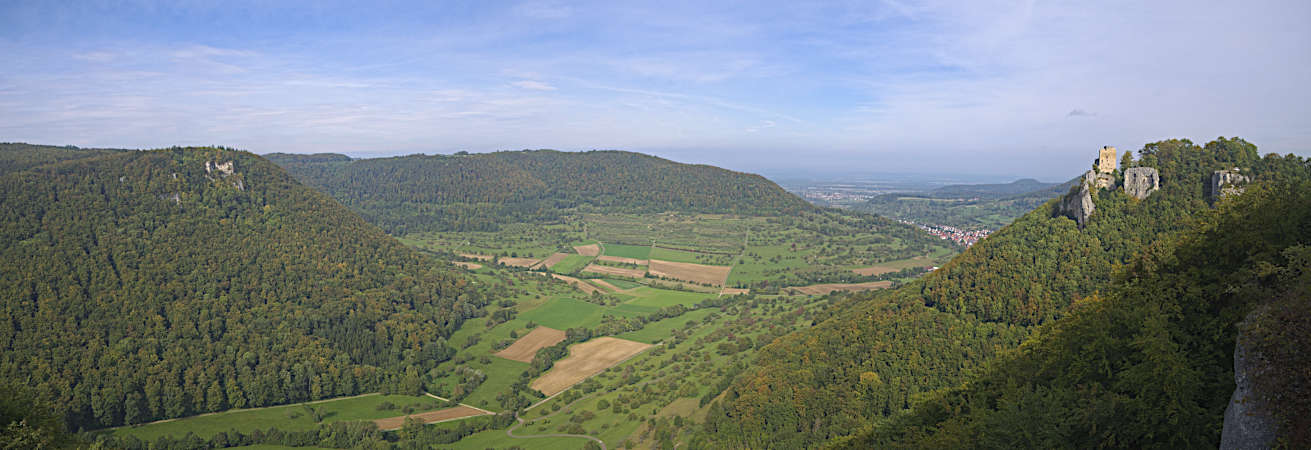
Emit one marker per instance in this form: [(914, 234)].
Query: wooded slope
[(469, 192), (146, 285)]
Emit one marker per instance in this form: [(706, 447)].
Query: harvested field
[(441, 415), (605, 285), (821, 289), (517, 262), (524, 349), (584, 286), (695, 273), (468, 265), (622, 260), (477, 256), (587, 359), (553, 259), (588, 250), (607, 270), (734, 291), (894, 266)]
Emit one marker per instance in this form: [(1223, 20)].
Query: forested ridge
[(1149, 363), (142, 285), (478, 192), (877, 352)]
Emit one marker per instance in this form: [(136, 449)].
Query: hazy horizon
[(995, 89)]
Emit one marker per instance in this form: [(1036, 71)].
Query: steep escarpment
[(147, 285), (482, 191), (877, 352), (1150, 363)]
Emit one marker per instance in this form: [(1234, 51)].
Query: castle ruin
[(1106, 162)]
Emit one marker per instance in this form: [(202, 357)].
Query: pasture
[(638, 252)]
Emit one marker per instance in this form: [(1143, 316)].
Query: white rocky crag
[(1227, 182), (224, 170), (1140, 182), (1079, 205)]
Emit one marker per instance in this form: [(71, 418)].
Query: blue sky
[(1001, 88)]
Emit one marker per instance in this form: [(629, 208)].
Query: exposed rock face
[(1246, 425), (1140, 182), (1079, 205), (224, 169), (1227, 182)]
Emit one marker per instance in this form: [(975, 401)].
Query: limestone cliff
[(1140, 182), (1078, 204), (1227, 182), (1247, 424)]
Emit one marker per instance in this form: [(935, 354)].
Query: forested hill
[(15, 156), (470, 192), (878, 350), (1149, 363), (1016, 187), (144, 285)]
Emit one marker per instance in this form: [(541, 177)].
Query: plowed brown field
[(623, 260), (524, 349), (821, 289), (588, 250), (587, 359), (696, 273), (517, 262), (607, 270)]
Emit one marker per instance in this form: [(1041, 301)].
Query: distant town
[(963, 237)]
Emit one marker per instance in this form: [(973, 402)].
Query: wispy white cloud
[(850, 84), (533, 85)]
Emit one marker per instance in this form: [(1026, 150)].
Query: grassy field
[(666, 254), (289, 417), (660, 392), (622, 284), (571, 264), (627, 251)]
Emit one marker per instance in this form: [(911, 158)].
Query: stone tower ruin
[(1106, 161)]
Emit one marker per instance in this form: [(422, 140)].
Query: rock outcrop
[(1227, 182), (224, 169), (1248, 425), (1140, 182), (1078, 204)]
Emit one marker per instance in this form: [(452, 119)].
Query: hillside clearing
[(468, 265), (821, 289), (587, 359), (552, 260), (584, 286), (691, 272), (588, 250), (607, 270), (894, 266), (622, 260), (517, 262), (441, 415), (525, 349)]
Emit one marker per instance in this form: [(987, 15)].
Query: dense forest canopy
[(143, 285), (478, 192), (875, 353)]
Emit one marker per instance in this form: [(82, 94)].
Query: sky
[(1000, 88)]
